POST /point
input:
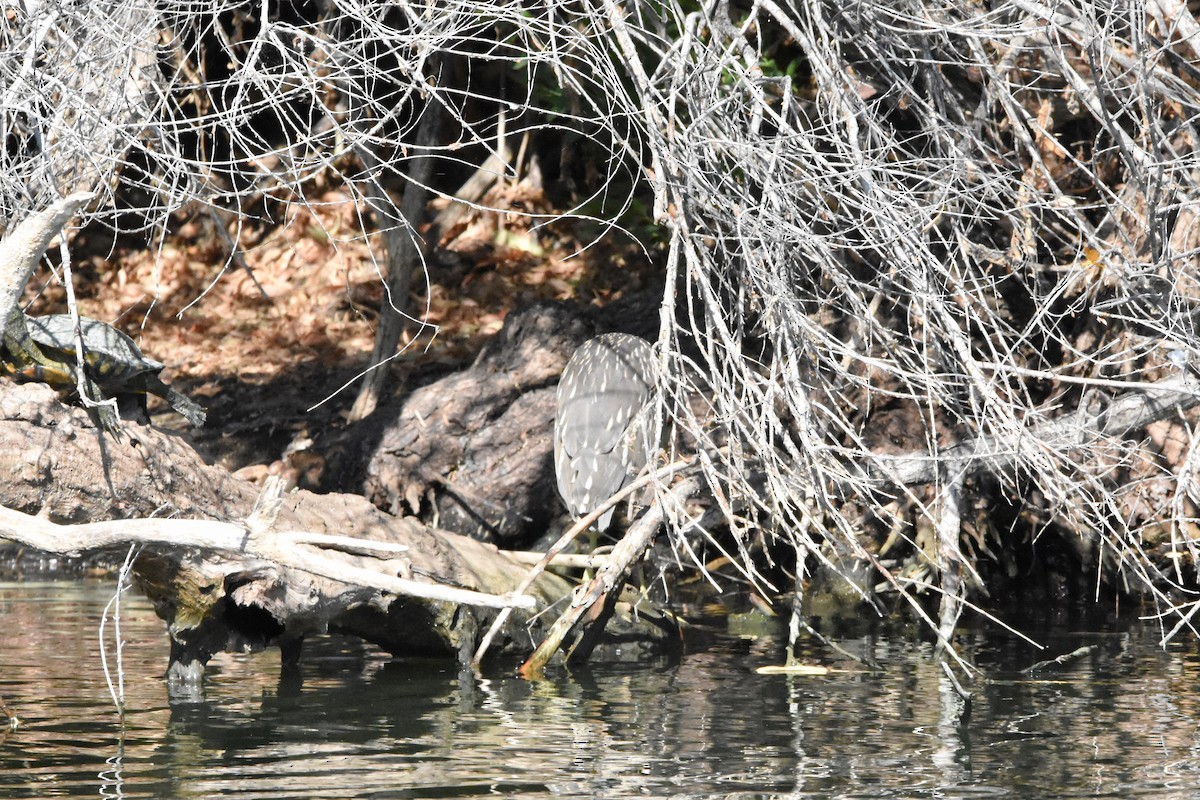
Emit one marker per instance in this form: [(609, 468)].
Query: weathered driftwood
[(594, 603), (225, 579)]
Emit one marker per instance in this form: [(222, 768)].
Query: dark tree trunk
[(473, 451)]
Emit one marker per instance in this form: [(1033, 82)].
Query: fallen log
[(229, 570), (1138, 405)]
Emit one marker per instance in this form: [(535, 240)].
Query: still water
[(1120, 722)]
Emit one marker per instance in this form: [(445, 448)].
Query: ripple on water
[(1119, 723)]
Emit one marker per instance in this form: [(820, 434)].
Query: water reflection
[(1119, 722)]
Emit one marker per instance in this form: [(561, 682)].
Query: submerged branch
[(593, 603)]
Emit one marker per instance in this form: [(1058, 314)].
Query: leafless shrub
[(970, 215)]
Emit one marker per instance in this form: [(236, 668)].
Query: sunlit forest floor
[(273, 351)]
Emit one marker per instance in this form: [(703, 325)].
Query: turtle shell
[(112, 356)]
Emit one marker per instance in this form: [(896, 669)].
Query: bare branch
[(296, 550)]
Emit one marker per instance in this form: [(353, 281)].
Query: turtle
[(115, 365)]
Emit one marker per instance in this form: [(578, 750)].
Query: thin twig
[(1065, 658)]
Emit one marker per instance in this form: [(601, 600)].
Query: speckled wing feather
[(601, 398)]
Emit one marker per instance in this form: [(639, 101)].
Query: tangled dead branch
[(981, 218)]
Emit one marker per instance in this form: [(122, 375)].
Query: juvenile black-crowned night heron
[(600, 425)]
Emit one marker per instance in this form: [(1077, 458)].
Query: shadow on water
[(1118, 721)]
